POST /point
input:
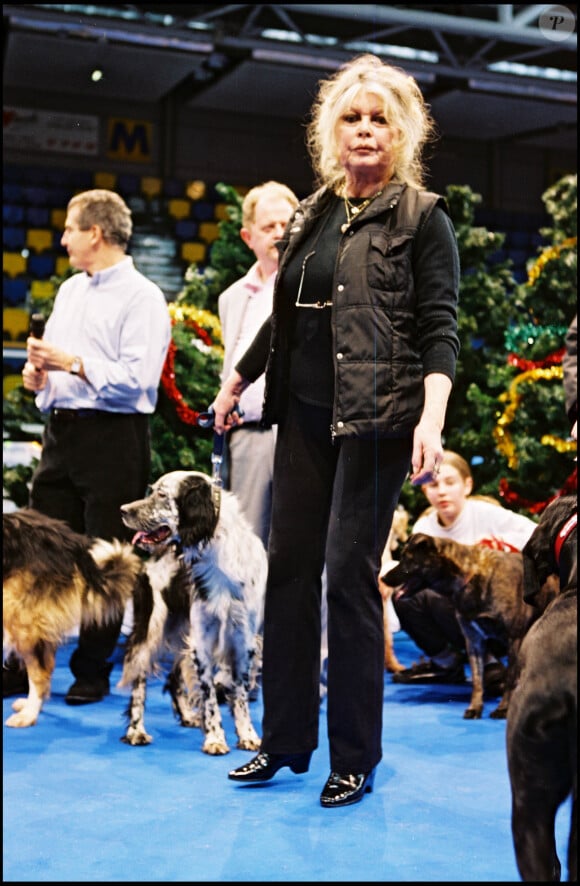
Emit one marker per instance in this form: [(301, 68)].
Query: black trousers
[(89, 467), (332, 504), (430, 620)]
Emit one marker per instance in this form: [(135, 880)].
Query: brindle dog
[(541, 734), (486, 588)]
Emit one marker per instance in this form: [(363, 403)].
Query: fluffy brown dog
[(54, 580), (542, 722), (486, 588)]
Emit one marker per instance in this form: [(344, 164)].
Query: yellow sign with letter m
[(129, 140)]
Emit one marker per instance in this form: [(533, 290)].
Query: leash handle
[(207, 419)]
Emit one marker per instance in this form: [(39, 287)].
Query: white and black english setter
[(204, 601)]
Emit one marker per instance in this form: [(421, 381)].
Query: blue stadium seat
[(173, 188), (38, 216), (12, 214), (36, 195), (41, 266), (185, 229), (14, 290), (128, 184), (13, 238), (202, 210)]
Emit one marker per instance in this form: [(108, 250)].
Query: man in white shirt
[(243, 307), (96, 374)]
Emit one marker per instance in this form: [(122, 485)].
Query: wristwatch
[(76, 366)]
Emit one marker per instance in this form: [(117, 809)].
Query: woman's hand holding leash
[(427, 443), (225, 405)]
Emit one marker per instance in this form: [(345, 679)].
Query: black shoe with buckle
[(430, 672), (264, 766), (344, 790), (85, 691), (14, 677)]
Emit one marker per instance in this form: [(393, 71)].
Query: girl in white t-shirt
[(428, 617)]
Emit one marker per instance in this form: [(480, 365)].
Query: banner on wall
[(27, 129)]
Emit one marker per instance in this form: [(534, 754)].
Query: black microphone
[(37, 324)]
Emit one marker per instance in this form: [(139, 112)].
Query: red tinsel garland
[(570, 487), (186, 414), (553, 359)]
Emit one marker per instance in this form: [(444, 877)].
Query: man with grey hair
[(243, 307), (96, 374)]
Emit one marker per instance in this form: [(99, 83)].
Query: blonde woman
[(359, 358)]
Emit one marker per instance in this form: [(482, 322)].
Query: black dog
[(542, 719)]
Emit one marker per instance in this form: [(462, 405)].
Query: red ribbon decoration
[(525, 365), (570, 487), (186, 414)]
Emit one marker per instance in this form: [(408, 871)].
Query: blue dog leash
[(206, 420)]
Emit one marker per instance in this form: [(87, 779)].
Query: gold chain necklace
[(352, 211)]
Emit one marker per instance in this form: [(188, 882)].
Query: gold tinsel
[(513, 398), (548, 254), (203, 318)]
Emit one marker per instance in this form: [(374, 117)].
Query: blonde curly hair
[(404, 107)]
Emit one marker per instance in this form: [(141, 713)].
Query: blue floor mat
[(81, 806)]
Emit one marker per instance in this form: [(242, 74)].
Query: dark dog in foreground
[(204, 603), (486, 588), (542, 722), (53, 581)]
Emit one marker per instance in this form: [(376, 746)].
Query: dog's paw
[(215, 747), (136, 738), (499, 714), (22, 718), (249, 743), (473, 713), (191, 720), (18, 704)]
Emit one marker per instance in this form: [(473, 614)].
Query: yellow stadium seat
[(13, 264), (194, 253), (10, 382), (178, 208), (57, 219), (39, 239), (41, 289), (209, 231), (195, 190), (62, 265), (151, 186), (221, 212), (107, 180), (15, 324)]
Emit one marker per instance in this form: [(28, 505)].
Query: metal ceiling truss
[(459, 41)]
